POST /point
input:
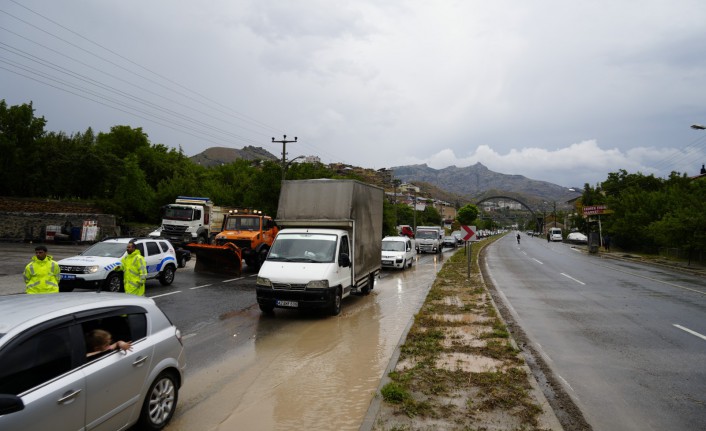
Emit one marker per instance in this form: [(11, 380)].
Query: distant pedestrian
[(134, 270), (548, 237), (42, 273), (606, 243)]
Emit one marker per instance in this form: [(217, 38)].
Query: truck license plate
[(288, 303), (68, 276)]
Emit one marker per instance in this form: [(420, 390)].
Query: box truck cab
[(428, 239), (305, 269)]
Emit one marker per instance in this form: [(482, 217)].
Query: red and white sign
[(470, 232)]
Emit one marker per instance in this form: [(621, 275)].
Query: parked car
[(95, 267), (49, 382), (449, 241), (577, 237), (397, 252)]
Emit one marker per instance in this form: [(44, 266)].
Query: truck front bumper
[(296, 299)]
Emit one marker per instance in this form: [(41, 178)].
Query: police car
[(95, 268)]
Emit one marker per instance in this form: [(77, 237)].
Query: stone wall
[(31, 226)]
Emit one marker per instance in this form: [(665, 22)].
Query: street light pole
[(395, 184), (284, 143)]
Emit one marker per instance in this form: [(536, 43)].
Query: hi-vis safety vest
[(135, 273), (42, 276)]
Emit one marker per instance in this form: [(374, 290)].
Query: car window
[(141, 247), (152, 248), (121, 326), (163, 246), (35, 360)]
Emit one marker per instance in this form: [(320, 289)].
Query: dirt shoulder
[(466, 365)]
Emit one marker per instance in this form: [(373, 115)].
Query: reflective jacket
[(42, 276), (135, 273)]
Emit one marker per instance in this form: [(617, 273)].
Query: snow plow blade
[(224, 259)]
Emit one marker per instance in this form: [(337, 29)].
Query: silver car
[(49, 382)]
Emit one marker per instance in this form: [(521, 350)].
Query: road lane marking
[(566, 383), (690, 331), (572, 278), (165, 294), (538, 261), (232, 279), (199, 287)]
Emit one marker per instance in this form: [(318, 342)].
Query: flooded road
[(298, 371)]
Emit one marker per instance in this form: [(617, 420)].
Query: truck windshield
[(427, 234), (304, 247), (243, 223), (178, 213)]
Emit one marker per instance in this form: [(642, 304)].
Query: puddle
[(460, 318), (469, 363), (301, 372), (466, 336)]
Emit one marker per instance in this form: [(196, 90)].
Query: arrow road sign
[(470, 232)]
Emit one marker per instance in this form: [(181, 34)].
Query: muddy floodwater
[(305, 372)]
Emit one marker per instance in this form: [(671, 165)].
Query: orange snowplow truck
[(246, 235)]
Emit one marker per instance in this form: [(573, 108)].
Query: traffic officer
[(42, 273), (134, 269)]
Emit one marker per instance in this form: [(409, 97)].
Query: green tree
[(21, 171), (467, 214)]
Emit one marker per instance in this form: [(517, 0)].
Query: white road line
[(187, 336), (538, 261), (566, 383), (690, 331), (165, 294), (232, 279), (199, 287), (572, 278)]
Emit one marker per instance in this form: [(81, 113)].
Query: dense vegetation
[(126, 175), (648, 213)]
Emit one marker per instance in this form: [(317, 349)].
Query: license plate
[(68, 277), (288, 303), (387, 262)]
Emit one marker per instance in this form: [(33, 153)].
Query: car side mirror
[(10, 404), (344, 260)]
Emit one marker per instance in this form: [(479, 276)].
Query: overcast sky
[(559, 91)]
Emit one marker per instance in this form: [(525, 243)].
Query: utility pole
[(554, 213), (395, 184), (284, 143)]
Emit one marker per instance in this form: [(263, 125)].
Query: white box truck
[(428, 239), (191, 219), (328, 247)]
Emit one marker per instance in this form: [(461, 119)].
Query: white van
[(397, 252), (555, 234)]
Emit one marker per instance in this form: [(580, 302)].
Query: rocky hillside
[(215, 156), (478, 181)]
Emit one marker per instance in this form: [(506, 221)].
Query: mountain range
[(470, 183)]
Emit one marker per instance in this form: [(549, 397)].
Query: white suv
[(95, 267)]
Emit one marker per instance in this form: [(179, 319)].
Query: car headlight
[(264, 282), (91, 269), (317, 284)]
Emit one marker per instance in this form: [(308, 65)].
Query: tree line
[(647, 213), (123, 173)]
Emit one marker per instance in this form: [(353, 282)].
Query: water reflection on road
[(305, 371)]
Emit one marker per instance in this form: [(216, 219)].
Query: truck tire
[(114, 283), (182, 261), (166, 277), (200, 240), (335, 309)]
